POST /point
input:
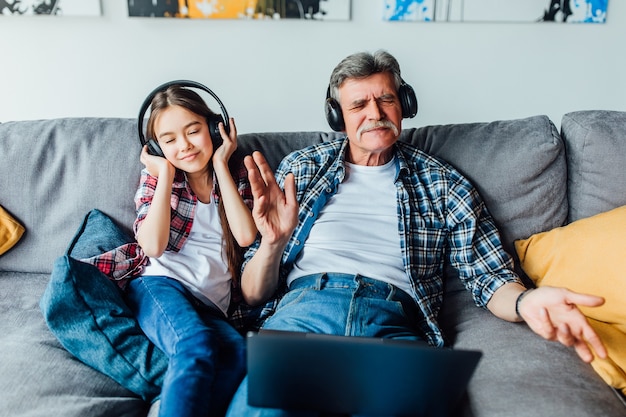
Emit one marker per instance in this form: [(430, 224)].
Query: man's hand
[(553, 314), (275, 212)]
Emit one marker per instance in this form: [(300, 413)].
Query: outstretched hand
[(275, 211), (553, 314)]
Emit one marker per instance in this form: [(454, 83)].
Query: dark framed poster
[(51, 7)]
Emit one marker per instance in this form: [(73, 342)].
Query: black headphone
[(213, 121), (334, 116)]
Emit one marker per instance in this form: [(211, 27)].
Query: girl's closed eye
[(193, 128)]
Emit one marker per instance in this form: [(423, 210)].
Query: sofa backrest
[(595, 141), (55, 171), (275, 145), (518, 166)]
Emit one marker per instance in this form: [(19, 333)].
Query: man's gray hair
[(362, 65)]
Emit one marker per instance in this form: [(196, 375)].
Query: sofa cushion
[(596, 156), (38, 377), (587, 256), (518, 167), (10, 231), (87, 313), (522, 374)]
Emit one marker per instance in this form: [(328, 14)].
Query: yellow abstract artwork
[(242, 9)]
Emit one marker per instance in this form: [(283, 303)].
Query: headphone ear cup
[(214, 128), (408, 101), (154, 148), (334, 116)]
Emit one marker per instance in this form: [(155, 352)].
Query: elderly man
[(361, 232)]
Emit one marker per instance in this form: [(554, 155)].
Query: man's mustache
[(376, 125)]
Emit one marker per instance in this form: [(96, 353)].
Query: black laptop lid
[(355, 375)]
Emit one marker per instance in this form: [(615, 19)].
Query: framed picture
[(564, 11), (51, 7), (242, 9)]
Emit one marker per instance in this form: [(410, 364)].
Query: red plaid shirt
[(127, 261)]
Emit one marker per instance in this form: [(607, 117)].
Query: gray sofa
[(55, 171)]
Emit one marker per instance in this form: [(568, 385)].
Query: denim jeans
[(338, 304), (206, 354)]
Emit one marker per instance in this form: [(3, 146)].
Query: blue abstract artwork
[(564, 11)]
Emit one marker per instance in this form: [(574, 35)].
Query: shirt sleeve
[(476, 250), (143, 197), (243, 186)]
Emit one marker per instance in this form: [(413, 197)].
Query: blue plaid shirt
[(441, 219)]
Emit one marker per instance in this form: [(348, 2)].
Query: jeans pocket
[(293, 297)]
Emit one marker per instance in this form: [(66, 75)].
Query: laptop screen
[(355, 375)]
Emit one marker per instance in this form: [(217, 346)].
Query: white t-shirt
[(201, 264), (356, 232)]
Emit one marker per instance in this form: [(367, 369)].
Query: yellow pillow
[(10, 231), (588, 256)]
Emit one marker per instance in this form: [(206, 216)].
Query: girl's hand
[(223, 153), (157, 166)]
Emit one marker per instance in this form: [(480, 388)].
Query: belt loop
[(391, 295), (320, 280)]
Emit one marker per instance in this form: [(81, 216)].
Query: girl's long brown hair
[(179, 96)]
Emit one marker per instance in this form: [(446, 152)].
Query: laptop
[(343, 375)]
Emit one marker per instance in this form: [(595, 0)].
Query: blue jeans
[(337, 304), (206, 354)]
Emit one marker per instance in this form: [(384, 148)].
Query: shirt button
[(310, 214), (297, 242), (328, 190)]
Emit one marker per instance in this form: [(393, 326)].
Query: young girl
[(191, 230)]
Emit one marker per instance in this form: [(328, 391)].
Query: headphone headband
[(182, 83)]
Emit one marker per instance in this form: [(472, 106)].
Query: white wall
[(272, 75)]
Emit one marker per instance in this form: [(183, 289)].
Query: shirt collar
[(402, 167), (180, 181)]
